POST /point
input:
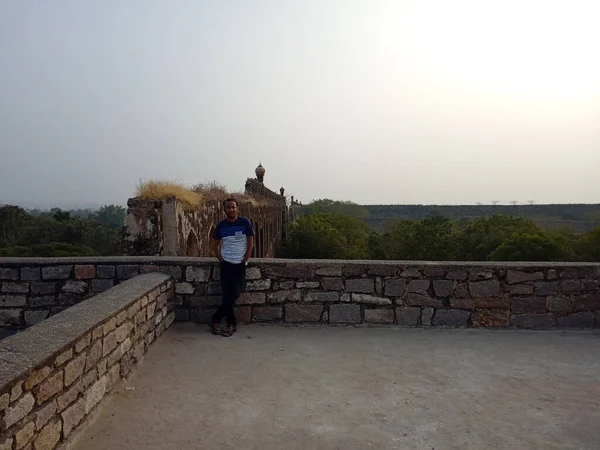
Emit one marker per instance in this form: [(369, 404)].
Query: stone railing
[(54, 374), (519, 295)]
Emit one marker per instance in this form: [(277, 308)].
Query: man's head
[(230, 206)]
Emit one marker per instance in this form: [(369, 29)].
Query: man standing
[(232, 242)]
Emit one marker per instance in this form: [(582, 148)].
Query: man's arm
[(250, 241), (216, 250)]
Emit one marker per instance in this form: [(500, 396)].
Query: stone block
[(451, 318), (149, 268), (334, 271), (379, 316), (258, 285), (49, 436), (370, 299), (577, 320), (355, 270), (490, 319), (36, 316), (85, 272), (43, 287), (533, 320), (24, 435), (103, 271), (44, 414), (127, 271), (364, 285), (4, 399), (74, 369), (585, 302), (443, 288), (65, 299), (578, 272), (50, 387), (184, 288), (244, 314), (461, 291), (110, 325), (16, 287), (418, 286), (267, 313), (101, 285), (426, 316), (435, 272), (488, 288), (411, 273), (56, 272), (69, 397), (518, 276), (197, 274), (462, 303), (520, 289), (253, 273), (284, 296), (321, 297), (37, 377), (344, 314), (303, 313), (546, 288), (205, 300), (8, 274), (31, 273), (213, 289), (10, 317), (149, 312), (13, 301), (75, 287), (528, 305), (252, 298), (480, 274), (571, 286), (307, 284), (109, 343), (459, 275), (493, 303), (72, 416), (94, 394), (19, 410), (590, 285), (286, 284), (383, 270), (422, 300), (16, 391), (7, 444), (289, 272), (332, 284), (83, 343), (378, 285), (551, 274), (559, 304), (395, 287)]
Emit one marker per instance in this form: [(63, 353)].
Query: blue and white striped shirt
[(234, 238)]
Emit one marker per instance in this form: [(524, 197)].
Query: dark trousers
[(233, 280)]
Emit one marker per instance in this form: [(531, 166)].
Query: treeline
[(58, 233), (339, 235)]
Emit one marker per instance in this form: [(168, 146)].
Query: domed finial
[(260, 172), (282, 191)]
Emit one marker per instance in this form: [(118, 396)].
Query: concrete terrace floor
[(275, 387)]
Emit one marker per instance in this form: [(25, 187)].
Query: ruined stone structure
[(162, 227)]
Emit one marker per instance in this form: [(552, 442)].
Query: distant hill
[(578, 217)]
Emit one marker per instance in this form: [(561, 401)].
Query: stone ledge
[(33, 347)]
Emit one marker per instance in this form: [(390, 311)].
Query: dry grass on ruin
[(192, 198)]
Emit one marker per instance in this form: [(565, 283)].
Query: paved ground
[(314, 388)]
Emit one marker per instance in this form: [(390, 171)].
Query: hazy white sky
[(375, 101)]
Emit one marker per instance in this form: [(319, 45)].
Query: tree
[(514, 202), (589, 247), (327, 235), (110, 216), (531, 202), (13, 219), (526, 247), (495, 202), (336, 207)]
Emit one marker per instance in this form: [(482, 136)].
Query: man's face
[(231, 210)]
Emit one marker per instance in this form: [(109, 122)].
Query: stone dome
[(260, 172)]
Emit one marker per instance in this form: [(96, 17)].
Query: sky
[(372, 101)]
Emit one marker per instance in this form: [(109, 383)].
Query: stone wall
[(56, 373), (518, 295)]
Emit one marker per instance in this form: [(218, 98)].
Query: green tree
[(327, 205), (527, 247), (13, 219), (429, 239), (589, 246), (327, 236), (110, 216)]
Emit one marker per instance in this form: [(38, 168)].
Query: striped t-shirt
[(234, 238)]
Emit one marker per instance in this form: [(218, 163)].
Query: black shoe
[(215, 329), (228, 332)]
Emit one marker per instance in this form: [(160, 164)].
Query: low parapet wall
[(54, 374), (518, 295)]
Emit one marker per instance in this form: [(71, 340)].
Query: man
[(232, 242)]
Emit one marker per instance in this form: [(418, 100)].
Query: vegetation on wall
[(327, 234)]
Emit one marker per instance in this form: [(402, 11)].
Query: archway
[(192, 245)]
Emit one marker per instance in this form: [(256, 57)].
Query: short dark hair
[(229, 199)]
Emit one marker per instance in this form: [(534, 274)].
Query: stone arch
[(193, 249)]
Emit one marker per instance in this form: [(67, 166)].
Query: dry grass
[(159, 189), (192, 198)]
